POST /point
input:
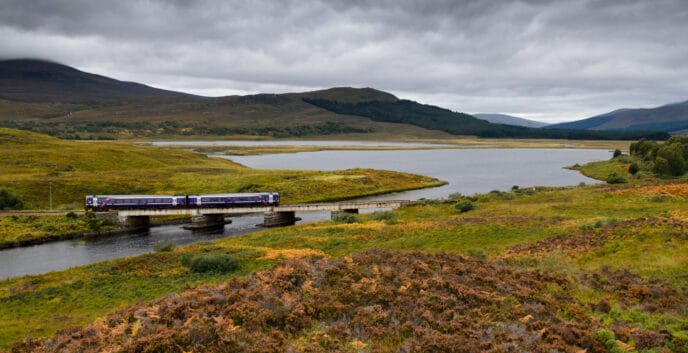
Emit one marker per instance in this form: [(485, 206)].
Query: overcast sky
[(545, 60)]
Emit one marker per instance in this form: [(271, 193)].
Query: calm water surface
[(290, 143), (468, 171)]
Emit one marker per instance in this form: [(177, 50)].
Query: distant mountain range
[(509, 120), (671, 118), (62, 101)]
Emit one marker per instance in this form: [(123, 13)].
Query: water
[(468, 171), (293, 143), (61, 255)]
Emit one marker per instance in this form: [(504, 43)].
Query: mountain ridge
[(509, 120), (62, 101), (44, 80), (670, 118)]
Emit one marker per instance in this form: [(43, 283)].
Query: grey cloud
[(557, 59)]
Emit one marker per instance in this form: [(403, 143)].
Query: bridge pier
[(334, 214), (206, 221), (276, 219), (135, 222)]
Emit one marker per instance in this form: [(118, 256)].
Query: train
[(104, 203)]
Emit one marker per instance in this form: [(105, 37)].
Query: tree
[(673, 154), (661, 166), (633, 168), (10, 200)]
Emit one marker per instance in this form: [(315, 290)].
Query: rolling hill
[(62, 101), (38, 80), (671, 118), (509, 120)]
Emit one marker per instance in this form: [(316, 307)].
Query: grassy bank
[(614, 244), (25, 229), (34, 164), (453, 143), (31, 162)]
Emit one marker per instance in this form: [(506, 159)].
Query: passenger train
[(131, 202)]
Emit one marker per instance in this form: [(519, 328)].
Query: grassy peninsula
[(32, 164)]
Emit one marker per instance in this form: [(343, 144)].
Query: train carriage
[(128, 202)]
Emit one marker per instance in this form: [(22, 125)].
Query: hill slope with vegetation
[(509, 120), (436, 118), (45, 81), (672, 118), (61, 101)]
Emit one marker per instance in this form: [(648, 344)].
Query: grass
[(443, 143), (32, 162), (21, 229), (552, 229)]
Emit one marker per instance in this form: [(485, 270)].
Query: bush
[(633, 169), (96, 224), (163, 246), (614, 178), (71, 215), (346, 218), (10, 200), (387, 216), (210, 263), (464, 206), (617, 153)]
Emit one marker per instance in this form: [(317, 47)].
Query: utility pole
[(51, 195)]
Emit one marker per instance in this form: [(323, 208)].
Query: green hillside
[(436, 118), (61, 101), (672, 118)]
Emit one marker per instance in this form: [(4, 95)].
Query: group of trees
[(666, 159), (91, 130), (436, 118), (9, 200)]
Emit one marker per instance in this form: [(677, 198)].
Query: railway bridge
[(274, 215)]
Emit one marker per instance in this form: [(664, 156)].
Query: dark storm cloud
[(541, 59)]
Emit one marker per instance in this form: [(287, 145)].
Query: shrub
[(617, 153), (210, 263), (387, 216), (455, 196), (659, 198), (71, 215), (96, 224), (9, 200), (163, 246), (346, 218), (633, 169), (614, 178), (464, 206), (477, 253), (675, 159)]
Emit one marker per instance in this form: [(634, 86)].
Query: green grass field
[(32, 164), (622, 248), (581, 231)]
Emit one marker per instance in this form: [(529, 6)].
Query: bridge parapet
[(280, 215)]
